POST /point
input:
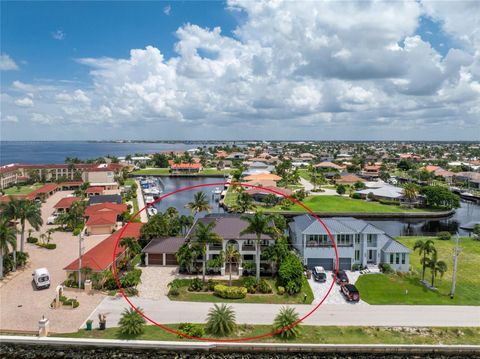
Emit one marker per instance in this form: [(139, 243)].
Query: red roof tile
[(44, 189), (94, 189), (105, 207), (66, 202), (102, 218), (100, 257)]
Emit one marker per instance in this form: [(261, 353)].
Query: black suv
[(350, 292), (341, 277), (319, 274)]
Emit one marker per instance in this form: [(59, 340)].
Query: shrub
[(250, 283), (131, 278), (386, 268), (132, 323), (77, 231), (47, 245), (220, 320), (286, 317), (291, 274), (341, 189), (32, 240), (211, 284), (444, 235), (226, 292), (356, 196), (174, 291), (355, 267), (281, 290), (371, 196), (191, 330), (196, 285), (389, 202), (264, 287)]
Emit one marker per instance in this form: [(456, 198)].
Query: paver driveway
[(335, 297), (22, 306)]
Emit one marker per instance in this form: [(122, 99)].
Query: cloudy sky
[(240, 70)]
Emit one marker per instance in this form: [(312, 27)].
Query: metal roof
[(392, 246)]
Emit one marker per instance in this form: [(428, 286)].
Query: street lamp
[(80, 240)]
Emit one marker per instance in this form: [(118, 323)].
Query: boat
[(149, 199), (217, 191), (151, 211)]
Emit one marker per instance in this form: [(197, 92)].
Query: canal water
[(178, 200), (468, 211)]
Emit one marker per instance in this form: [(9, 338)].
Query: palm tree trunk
[(433, 277), (423, 267), (257, 260), (230, 280), (204, 264), (1, 264), (22, 238)]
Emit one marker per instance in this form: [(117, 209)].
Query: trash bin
[(103, 325), (89, 324)]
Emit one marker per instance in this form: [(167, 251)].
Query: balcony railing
[(215, 247), (248, 247)]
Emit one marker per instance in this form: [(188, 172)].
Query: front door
[(372, 256)]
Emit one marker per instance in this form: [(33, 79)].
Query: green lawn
[(344, 204), (273, 298), (314, 334), (23, 190), (304, 173), (394, 289)]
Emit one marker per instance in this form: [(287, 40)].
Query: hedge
[(223, 291)]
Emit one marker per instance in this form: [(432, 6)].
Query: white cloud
[(10, 118), (59, 35), (167, 10), (24, 102), (291, 67), (7, 63)]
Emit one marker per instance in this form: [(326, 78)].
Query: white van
[(41, 278)]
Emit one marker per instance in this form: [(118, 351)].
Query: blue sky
[(317, 70)]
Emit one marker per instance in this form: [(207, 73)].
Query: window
[(397, 258), (391, 258), (403, 258), (357, 255), (357, 239)]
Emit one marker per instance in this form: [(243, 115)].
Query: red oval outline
[(114, 271)]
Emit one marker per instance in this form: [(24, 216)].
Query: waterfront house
[(179, 168), (358, 243), (103, 218)]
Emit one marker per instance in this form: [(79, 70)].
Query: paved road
[(308, 186), (165, 311)]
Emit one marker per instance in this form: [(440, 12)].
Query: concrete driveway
[(22, 306), (335, 297)]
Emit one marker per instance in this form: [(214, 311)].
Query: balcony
[(215, 247), (248, 247)]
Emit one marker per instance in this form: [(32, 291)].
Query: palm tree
[(131, 322), (204, 235), (131, 244), (220, 320), (199, 204), (258, 224), (8, 238), (231, 255), (424, 249), (284, 319), (185, 223), (436, 267), (27, 211), (43, 237), (243, 203), (410, 192)]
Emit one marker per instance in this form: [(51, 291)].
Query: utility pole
[(456, 252), (80, 250)]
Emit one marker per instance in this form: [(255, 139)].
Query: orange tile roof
[(66, 202), (102, 218), (44, 189), (105, 207), (94, 189), (263, 177), (281, 190), (100, 257), (176, 166)]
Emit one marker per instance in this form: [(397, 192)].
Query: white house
[(358, 242)]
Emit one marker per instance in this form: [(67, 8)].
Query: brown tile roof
[(168, 245)]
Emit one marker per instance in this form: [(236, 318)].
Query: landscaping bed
[(207, 293), (407, 289)]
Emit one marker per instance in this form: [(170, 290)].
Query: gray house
[(358, 242)]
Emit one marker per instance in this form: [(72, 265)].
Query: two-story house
[(229, 227), (358, 242)]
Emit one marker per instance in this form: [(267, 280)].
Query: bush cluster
[(47, 245), (32, 240), (264, 287), (69, 301), (192, 330), (226, 292), (281, 290), (196, 285), (290, 274), (386, 268), (444, 235), (250, 283)]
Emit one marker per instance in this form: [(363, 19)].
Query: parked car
[(341, 277), (52, 218), (319, 274), (350, 292), (41, 278)]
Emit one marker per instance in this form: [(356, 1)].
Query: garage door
[(171, 260), (326, 263), (155, 259), (100, 230), (344, 263)]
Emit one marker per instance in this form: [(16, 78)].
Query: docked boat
[(217, 191), (149, 199), (151, 211)]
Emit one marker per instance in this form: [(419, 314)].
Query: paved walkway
[(141, 203), (167, 312)]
